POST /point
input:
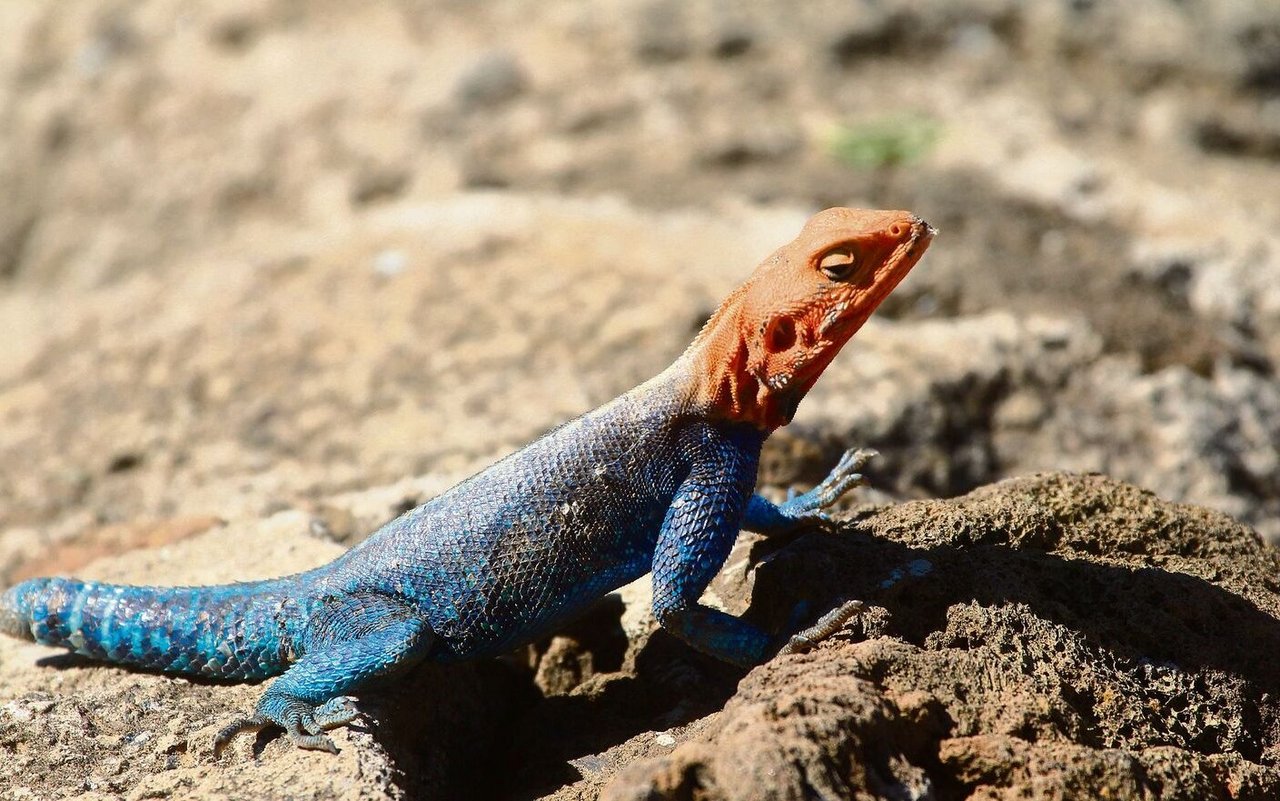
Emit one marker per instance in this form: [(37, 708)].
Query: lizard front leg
[(806, 509), (357, 639), (699, 531), (696, 537)]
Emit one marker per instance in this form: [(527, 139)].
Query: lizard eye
[(838, 264)]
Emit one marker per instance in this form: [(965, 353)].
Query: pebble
[(494, 79)]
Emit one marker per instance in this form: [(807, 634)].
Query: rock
[(1259, 37), (1075, 635), (732, 147), (1037, 635), (732, 38), (377, 183), (95, 542), (661, 31), (952, 405), (869, 32), (494, 79), (1252, 132)]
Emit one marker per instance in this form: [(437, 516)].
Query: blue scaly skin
[(658, 480)]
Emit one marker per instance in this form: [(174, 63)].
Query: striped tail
[(232, 631)]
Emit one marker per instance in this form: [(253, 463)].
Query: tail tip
[(15, 608)]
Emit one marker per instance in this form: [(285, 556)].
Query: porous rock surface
[(1058, 636)]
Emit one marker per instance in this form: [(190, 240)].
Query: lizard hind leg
[(363, 639)]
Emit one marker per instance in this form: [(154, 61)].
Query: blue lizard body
[(516, 550), (656, 480)]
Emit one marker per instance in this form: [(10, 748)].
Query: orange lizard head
[(766, 345)]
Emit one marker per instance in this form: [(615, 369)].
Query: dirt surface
[(272, 272)]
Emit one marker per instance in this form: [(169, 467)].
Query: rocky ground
[(271, 272)]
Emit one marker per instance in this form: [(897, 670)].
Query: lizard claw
[(312, 742)]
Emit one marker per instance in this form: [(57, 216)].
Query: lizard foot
[(846, 475), (808, 509), (303, 724), (827, 625)]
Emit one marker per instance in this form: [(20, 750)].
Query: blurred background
[(264, 254)]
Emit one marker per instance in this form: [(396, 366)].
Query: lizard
[(659, 480)]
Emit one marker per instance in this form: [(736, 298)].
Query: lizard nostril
[(781, 335), (897, 229)]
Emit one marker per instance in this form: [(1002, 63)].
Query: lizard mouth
[(838, 324)]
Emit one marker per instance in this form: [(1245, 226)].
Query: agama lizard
[(658, 480)]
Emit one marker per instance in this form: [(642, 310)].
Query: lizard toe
[(809, 508), (336, 712), (227, 733), (826, 626), (311, 742), (306, 723), (846, 475)]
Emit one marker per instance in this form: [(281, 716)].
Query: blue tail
[(233, 631)]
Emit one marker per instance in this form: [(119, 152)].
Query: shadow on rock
[(1056, 636)]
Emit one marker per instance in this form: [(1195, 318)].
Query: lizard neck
[(719, 378)]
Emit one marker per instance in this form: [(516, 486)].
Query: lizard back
[(533, 539)]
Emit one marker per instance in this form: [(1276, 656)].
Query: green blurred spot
[(884, 142)]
